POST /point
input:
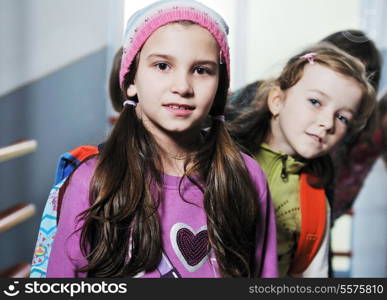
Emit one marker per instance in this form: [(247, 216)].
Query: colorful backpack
[(48, 225), (68, 162)]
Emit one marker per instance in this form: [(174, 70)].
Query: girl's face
[(314, 114), (177, 78)]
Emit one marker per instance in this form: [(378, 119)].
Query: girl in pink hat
[(164, 197)]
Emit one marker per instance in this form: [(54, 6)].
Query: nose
[(182, 85), (326, 120)]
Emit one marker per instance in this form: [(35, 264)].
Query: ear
[(132, 90), (275, 100)]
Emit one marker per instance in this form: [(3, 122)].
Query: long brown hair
[(121, 233), (114, 88), (251, 129)]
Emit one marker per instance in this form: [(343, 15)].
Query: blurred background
[(55, 59)]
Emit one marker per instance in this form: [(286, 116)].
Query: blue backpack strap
[(66, 164), (48, 225), (47, 230), (72, 159)]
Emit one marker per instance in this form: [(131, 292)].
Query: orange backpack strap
[(313, 224), (83, 152)]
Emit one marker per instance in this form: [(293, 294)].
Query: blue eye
[(314, 102), (343, 119)]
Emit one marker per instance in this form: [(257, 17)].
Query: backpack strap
[(68, 162), (313, 225), (72, 159)]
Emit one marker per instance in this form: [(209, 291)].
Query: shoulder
[(252, 165), (84, 172), (256, 173), (76, 193)]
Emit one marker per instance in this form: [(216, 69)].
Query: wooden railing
[(18, 213), (15, 215), (17, 149), (20, 270)]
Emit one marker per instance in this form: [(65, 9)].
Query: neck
[(275, 140), (176, 148)]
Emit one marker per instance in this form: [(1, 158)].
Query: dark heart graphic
[(193, 247)]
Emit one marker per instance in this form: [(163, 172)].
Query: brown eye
[(202, 71), (162, 66)]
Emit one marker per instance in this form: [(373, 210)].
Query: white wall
[(40, 36), (374, 21), (278, 29), (370, 226)]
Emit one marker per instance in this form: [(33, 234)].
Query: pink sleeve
[(267, 241), (266, 253), (66, 256)]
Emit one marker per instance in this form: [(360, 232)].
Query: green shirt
[(283, 175)]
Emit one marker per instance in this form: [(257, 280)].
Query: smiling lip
[(178, 109), (316, 138)]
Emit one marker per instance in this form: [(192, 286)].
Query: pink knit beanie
[(147, 20)]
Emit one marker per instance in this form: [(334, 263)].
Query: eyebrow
[(155, 55), (318, 91), (349, 110), (171, 58)]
